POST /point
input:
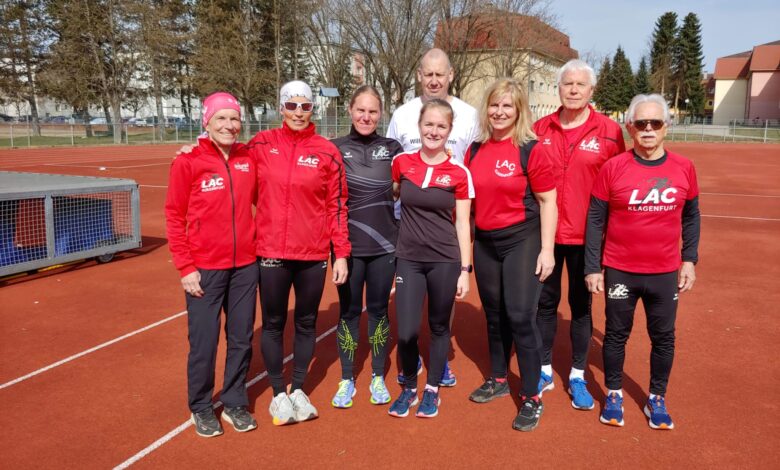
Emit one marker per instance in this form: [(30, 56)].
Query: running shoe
[(400, 407), (581, 399), (530, 413), (281, 410), (657, 416), (379, 393), (240, 418), (419, 371), (343, 397), (302, 406), (545, 383), (429, 406), (447, 377), (490, 390), (206, 424), (612, 413)]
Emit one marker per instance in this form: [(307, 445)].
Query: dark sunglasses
[(641, 124), (292, 106)]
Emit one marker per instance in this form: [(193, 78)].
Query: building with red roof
[(747, 85)]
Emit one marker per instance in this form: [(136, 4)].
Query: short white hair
[(652, 98), (576, 65)]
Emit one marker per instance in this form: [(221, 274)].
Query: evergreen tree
[(689, 64), (622, 79), (662, 53), (603, 91), (642, 78)]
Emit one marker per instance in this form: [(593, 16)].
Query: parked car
[(6, 118), (59, 120), (98, 121)]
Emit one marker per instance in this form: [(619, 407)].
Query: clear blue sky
[(728, 27)]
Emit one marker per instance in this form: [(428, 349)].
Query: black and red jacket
[(575, 167), (301, 196), (208, 208)]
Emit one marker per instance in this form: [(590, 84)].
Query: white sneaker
[(281, 410), (304, 410)]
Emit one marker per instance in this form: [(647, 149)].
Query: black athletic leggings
[(659, 297), (276, 278), (233, 291), (504, 265), (413, 279), (376, 274), (579, 302)]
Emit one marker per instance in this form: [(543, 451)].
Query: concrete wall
[(730, 100), (764, 96)]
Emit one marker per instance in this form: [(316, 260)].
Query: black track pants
[(504, 265), (307, 278), (235, 292), (659, 297), (375, 273), (413, 280), (580, 300)]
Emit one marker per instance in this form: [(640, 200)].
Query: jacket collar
[(297, 136), (365, 139), (556, 117), (210, 148)]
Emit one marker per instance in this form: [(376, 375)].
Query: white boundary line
[(90, 350), (180, 428), (741, 218), (740, 195), (94, 165), (151, 186)]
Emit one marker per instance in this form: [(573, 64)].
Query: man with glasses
[(435, 75), (580, 140), (643, 202)]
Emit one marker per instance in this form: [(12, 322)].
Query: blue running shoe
[(545, 383), (581, 399), (379, 393), (657, 416), (400, 407), (429, 407), (447, 377), (419, 371), (343, 397), (612, 413)]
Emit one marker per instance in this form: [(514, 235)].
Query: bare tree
[(391, 34)]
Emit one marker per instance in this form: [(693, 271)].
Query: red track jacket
[(301, 196), (208, 209), (575, 168)]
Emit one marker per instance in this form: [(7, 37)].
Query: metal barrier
[(53, 219)]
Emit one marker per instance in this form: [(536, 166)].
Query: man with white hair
[(643, 202), (580, 140), (435, 75)]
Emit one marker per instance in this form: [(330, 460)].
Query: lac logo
[(443, 180), (505, 168), (657, 195), (380, 153), (213, 183), (591, 145), (310, 161)]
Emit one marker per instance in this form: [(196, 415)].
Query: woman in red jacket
[(515, 216), (211, 191), (301, 216)]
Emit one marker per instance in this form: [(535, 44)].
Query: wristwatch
[(467, 269)]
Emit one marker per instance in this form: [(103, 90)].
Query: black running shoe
[(490, 390), (206, 424), (240, 418), (530, 413)]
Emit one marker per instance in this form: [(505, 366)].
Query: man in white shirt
[(435, 75)]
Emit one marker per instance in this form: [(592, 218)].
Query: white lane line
[(151, 186), (90, 350), (180, 428), (93, 165), (741, 218), (740, 195)]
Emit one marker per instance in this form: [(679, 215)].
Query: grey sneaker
[(281, 410), (206, 424), (240, 418), (304, 410)]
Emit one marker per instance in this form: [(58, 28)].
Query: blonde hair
[(522, 131), (442, 105)]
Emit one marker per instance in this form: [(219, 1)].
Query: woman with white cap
[(301, 218), (211, 192)]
